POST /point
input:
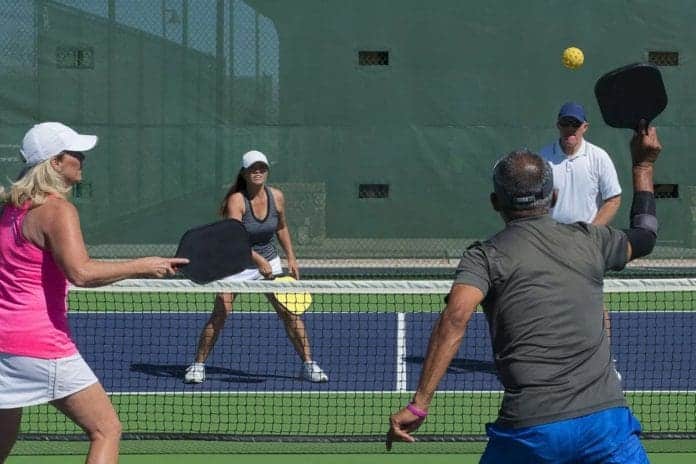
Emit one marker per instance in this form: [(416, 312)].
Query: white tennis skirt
[(26, 381), (254, 274)]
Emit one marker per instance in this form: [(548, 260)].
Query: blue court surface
[(361, 352)]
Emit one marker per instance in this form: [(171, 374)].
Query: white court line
[(401, 368)]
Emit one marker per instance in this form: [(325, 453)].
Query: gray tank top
[(261, 230)]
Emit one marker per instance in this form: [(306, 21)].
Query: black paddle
[(631, 93), (215, 251)]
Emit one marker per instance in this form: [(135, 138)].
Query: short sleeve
[(609, 185), (473, 268), (546, 151), (613, 243)]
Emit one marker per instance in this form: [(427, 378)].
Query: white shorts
[(26, 381), (254, 274)]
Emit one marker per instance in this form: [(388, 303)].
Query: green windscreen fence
[(381, 119)]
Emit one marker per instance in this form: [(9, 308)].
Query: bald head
[(523, 181)]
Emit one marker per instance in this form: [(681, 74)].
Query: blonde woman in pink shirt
[(41, 250)]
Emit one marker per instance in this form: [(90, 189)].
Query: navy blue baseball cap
[(572, 110)]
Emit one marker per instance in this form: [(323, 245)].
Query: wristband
[(416, 411)]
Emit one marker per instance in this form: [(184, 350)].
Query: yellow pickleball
[(573, 57)]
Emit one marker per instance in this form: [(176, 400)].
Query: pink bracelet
[(416, 411)]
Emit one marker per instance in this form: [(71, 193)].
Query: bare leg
[(215, 324), (92, 411), (9, 428), (294, 327)]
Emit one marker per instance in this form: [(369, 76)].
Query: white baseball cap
[(252, 157), (48, 139)]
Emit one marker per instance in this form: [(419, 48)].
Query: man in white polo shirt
[(584, 175)]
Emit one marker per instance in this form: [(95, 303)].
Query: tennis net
[(370, 337)]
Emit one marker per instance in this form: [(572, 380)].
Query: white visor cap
[(252, 157), (48, 139)]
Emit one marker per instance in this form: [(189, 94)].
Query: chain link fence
[(178, 90)]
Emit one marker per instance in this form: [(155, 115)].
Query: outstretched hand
[(645, 145), (401, 425), (155, 266)]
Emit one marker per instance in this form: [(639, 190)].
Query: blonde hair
[(36, 183)]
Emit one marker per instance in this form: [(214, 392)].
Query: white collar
[(582, 151)]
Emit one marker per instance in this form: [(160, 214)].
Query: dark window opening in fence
[(664, 58), (373, 58), (373, 191), (75, 57), (666, 190)]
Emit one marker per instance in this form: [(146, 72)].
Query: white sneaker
[(313, 373), (618, 374), (195, 373)]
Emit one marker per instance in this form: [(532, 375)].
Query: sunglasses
[(569, 122), (76, 154), (257, 167)]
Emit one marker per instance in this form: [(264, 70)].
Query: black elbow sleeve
[(642, 242), (643, 211), (643, 232)]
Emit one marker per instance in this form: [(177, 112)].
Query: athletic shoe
[(195, 373), (313, 373)]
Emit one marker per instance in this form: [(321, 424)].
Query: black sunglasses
[(76, 154), (569, 122)]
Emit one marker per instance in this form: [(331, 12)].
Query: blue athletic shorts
[(607, 437)]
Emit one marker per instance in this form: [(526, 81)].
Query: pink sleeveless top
[(33, 294)]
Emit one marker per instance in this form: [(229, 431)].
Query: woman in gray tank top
[(262, 211)]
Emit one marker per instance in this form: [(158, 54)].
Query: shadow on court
[(461, 365), (220, 374)]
